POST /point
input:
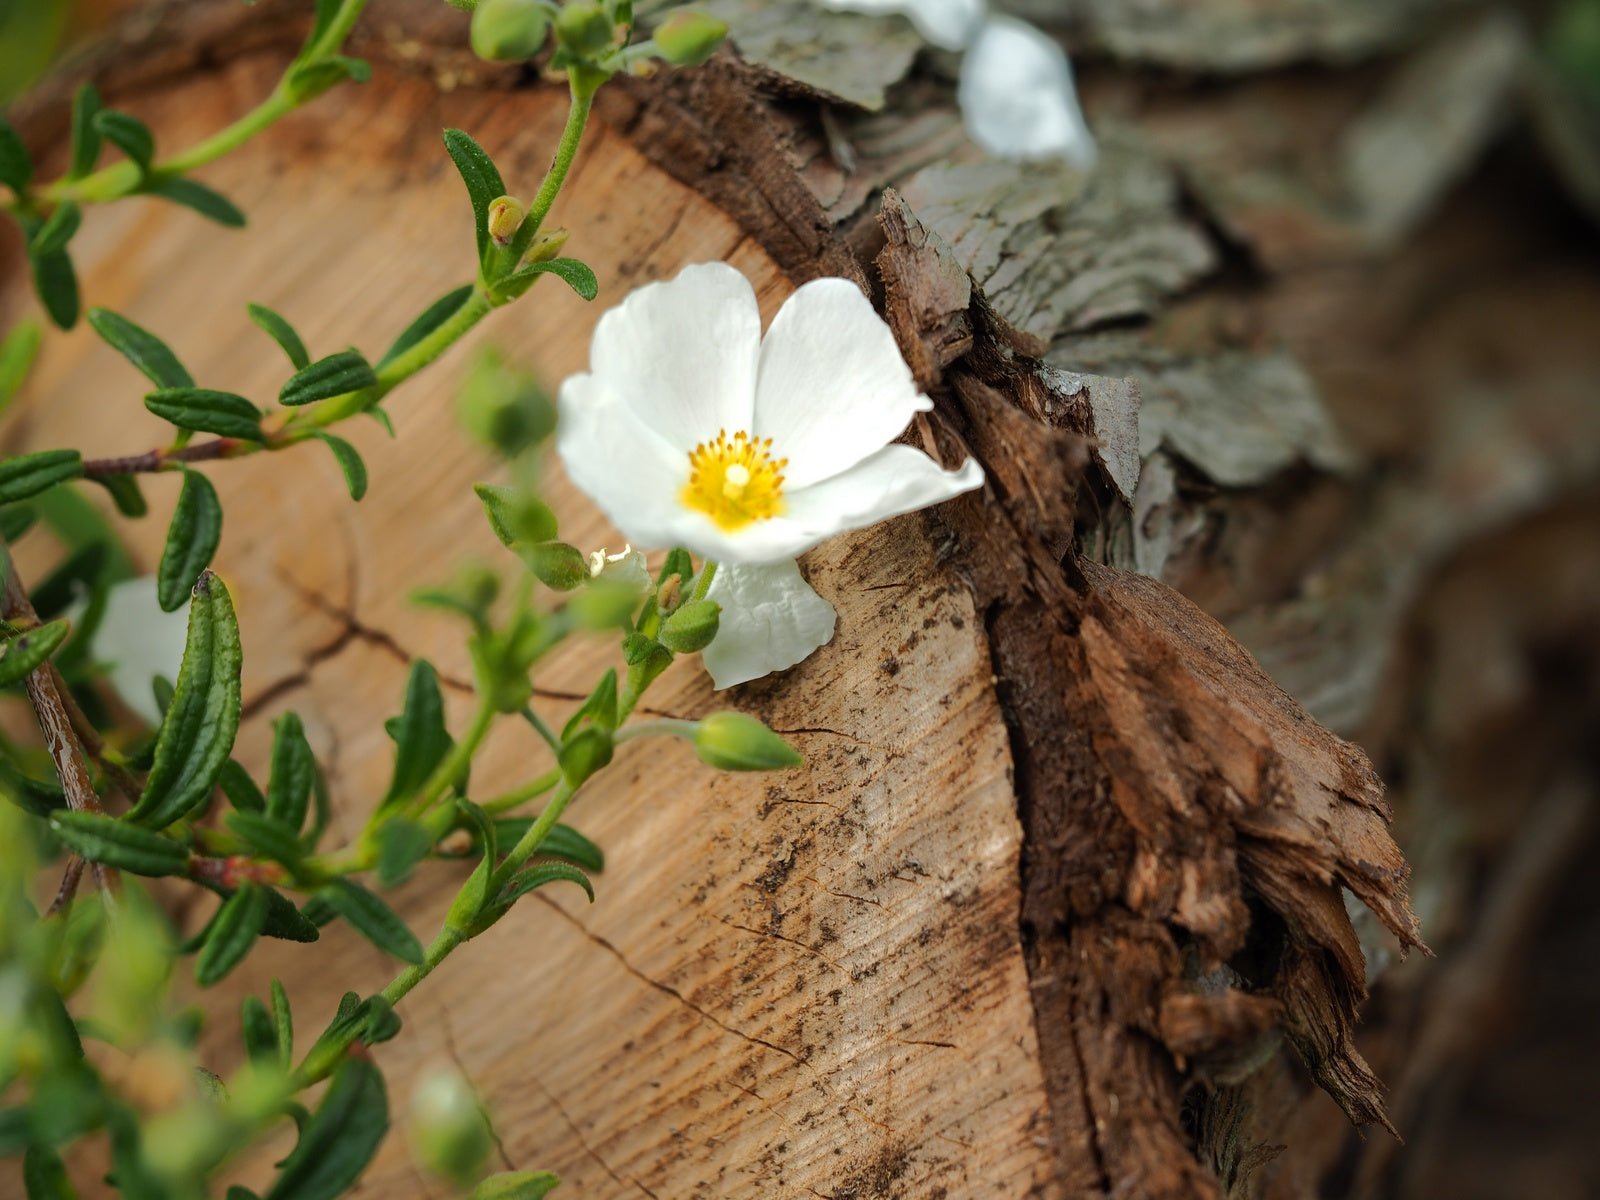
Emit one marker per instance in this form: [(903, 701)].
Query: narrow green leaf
[(279, 329), (402, 844), (435, 315), (268, 837), (191, 193), (235, 930), (128, 134), (293, 769), (259, 1031), (309, 80), (287, 922), (240, 789), (599, 709), (372, 918), (421, 737), (336, 375), (18, 349), (21, 654), (16, 520), (116, 843), (57, 286), (577, 275), (323, 17), (379, 1022), (41, 797), (197, 732), (126, 494), (341, 1137), (516, 1185), (44, 1175), (539, 875), (142, 348), (52, 237), (482, 178), (192, 539), (284, 1020), (355, 471), (207, 411), (16, 167), (86, 140), (563, 841), (30, 474)]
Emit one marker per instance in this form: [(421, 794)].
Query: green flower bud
[(546, 246), (450, 1134), (585, 753), (687, 39), (504, 408), (557, 565), (732, 741), (583, 29), (505, 218), (509, 30), (692, 627)]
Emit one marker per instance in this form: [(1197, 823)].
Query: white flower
[(692, 430), (771, 620), (136, 641), (1017, 96), (946, 23)]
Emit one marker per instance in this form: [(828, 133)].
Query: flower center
[(735, 481)]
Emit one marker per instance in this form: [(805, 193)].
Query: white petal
[(947, 23), (1018, 98), (771, 620), (682, 355), (136, 641), (623, 466), (897, 479), (833, 387)]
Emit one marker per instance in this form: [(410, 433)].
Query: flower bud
[(557, 565), (450, 1134), (687, 39), (585, 753), (732, 741), (503, 407), (545, 247), (509, 30), (505, 218), (583, 29), (692, 627)]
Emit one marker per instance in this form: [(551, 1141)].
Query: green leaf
[(16, 167), (142, 348), (561, 842), (128, 134), (235, 930), (44, 1175), (577, 275), (15, 521), (372, 918), (52, 237), (341, 1137), (294, 768), (104, 839), (57, 286), (421, 738), (240, 789), (380, 1022), (402, 844), (287, 922), (23, 653), (197, 732), (18, 349), (38, 796), (323, 16), (269, 838), (207, 411), (30, 474), (86, 140), (355, 471), (435, 315), (599, 709), (516, 1185), (192, 539), (482, 178), (283, 1019), (279, 329), (309, 80), (260, 1032), (126, 494), (515, 516), (336, 375), (539, 875), (191, 193)]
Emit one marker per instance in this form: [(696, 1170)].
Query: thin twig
[(157, 460)]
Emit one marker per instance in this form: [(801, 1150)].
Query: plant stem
[(659, 727), (517, 796), (455, 762), (544, 731), (528, 844), (583, 86)]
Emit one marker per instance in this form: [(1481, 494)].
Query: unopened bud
[(585, 753), (509, 30), (557, 565), (687, 39), (505, 218), (583, 29), (732, 741), (692, 627), (450, 1134), (546, 246)]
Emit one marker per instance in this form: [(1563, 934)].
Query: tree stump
[(1058, 907)]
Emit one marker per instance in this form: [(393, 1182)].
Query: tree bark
[(1059, 907)]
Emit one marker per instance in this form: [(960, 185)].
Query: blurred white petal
[(1018, 98), (136, 641), (946, 23)]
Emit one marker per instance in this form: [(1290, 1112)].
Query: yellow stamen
[(735, 481)]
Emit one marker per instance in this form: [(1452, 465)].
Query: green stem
[(455, 762), (583, 85), (708, 572), (544, 731), (528, 844), (660, 727), (518, 796)]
